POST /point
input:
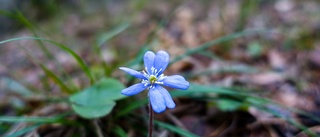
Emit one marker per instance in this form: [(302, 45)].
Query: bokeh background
[(253, 65)]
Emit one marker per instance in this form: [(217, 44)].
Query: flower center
[(152, 79)]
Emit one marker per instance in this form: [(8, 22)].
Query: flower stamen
[(153, 79)]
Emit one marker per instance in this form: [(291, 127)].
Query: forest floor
[(266, 53)]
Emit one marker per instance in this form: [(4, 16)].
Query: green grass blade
[(175, 129), (112, 33), (23, 131), (7, 14), (288, 119), (103, 38), (193, 90), (139, 57), (50, 74), (15, 86), (151, 37), (241, 69), (55, 78), (80, 61), (119, 132), (36, 119), (13, 119), (262, 104), (196, 90), (247, 8), (129, 108), (23, 20), (204, 46), (255, 101)]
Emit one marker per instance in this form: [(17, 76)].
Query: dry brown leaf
[(263, 79), (314, 57), (185, 17), (277, 60)]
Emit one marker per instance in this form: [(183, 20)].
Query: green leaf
[(96, 110), (97, 100)]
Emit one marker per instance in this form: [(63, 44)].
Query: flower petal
[(148, 60), (161, 61), (176, 81), (134, 89), (157, 100), (133, 72), (167, 97)]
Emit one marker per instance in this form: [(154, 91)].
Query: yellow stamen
[(152, 79)]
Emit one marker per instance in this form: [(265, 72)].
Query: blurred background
[(253, 65)]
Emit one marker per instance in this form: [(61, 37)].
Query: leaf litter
[(285, 66)]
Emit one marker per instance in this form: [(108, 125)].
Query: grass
[(228, 99)]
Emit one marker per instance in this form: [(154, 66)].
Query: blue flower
[(152, 78)]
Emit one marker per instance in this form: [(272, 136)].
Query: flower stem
[(150, 120)]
